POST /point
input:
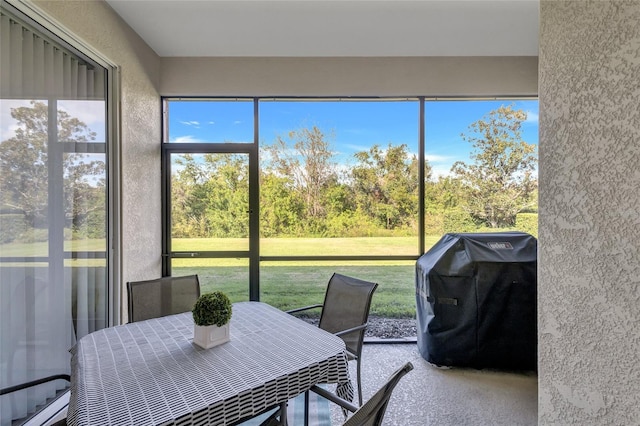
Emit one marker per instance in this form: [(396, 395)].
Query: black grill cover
[(476, 301)]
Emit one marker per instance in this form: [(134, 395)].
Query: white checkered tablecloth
[(150, 372)]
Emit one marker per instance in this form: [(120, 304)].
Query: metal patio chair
[(162, 296), (373, 411), (345, 312)]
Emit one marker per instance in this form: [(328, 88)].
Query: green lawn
[(375, 246), (286, 284), (300, 283), (41, 248)]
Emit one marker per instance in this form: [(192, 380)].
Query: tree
[(226, 193), (25, 180), (386, 185), (501, 180), (188, 218), (84, 184), (281, 208), (443, 211), (307, 159), (210, 196)]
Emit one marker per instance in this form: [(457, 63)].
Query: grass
[(378, 246), (41, 248), (286, 284), (293, 284)]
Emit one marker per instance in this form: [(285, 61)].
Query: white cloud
[(440, 165), (185, 139), (532, 117), (435, 158), (191, 123), (440, 171), (211, 122), (237, 122), (91, 113), (357, 148)]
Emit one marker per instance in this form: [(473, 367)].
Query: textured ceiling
[(335, 28)]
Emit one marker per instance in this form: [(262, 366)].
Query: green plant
[(212, 309), (458, 220), (527, 222)]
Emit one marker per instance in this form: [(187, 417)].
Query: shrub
[(527, 222), (350, 224), (212, 309), (11, 226), (458, 220), (434, 222), (33, 235)]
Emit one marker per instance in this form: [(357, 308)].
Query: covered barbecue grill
[(476, 301)]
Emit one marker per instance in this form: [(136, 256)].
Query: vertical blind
[(34, 67), (46, 301)]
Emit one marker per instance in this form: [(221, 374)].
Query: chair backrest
[(372, 412), (162, 296), (346, 305)]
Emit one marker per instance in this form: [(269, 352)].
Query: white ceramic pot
[(209, 336)]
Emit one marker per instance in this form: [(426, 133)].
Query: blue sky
[(353, 125)]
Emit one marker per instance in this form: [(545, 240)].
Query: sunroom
[(318, 62)]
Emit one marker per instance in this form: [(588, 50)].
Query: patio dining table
[(151, 373)]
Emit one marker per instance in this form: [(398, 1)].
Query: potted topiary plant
[(211, 315)]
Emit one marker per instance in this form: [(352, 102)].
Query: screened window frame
[(254, 255)]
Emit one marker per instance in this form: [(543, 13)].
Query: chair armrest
[(351, 355), (351, 330), (37, 382), (306, 308), (334, 398)]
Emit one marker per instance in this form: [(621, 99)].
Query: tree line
[(306, 191)]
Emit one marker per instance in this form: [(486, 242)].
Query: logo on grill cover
[(500, 246)]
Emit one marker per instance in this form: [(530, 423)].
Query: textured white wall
[(589, 281), (99, 26)]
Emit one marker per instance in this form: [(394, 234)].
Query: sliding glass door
[(54, 186)]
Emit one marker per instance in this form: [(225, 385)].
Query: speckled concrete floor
[(434, 396)]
